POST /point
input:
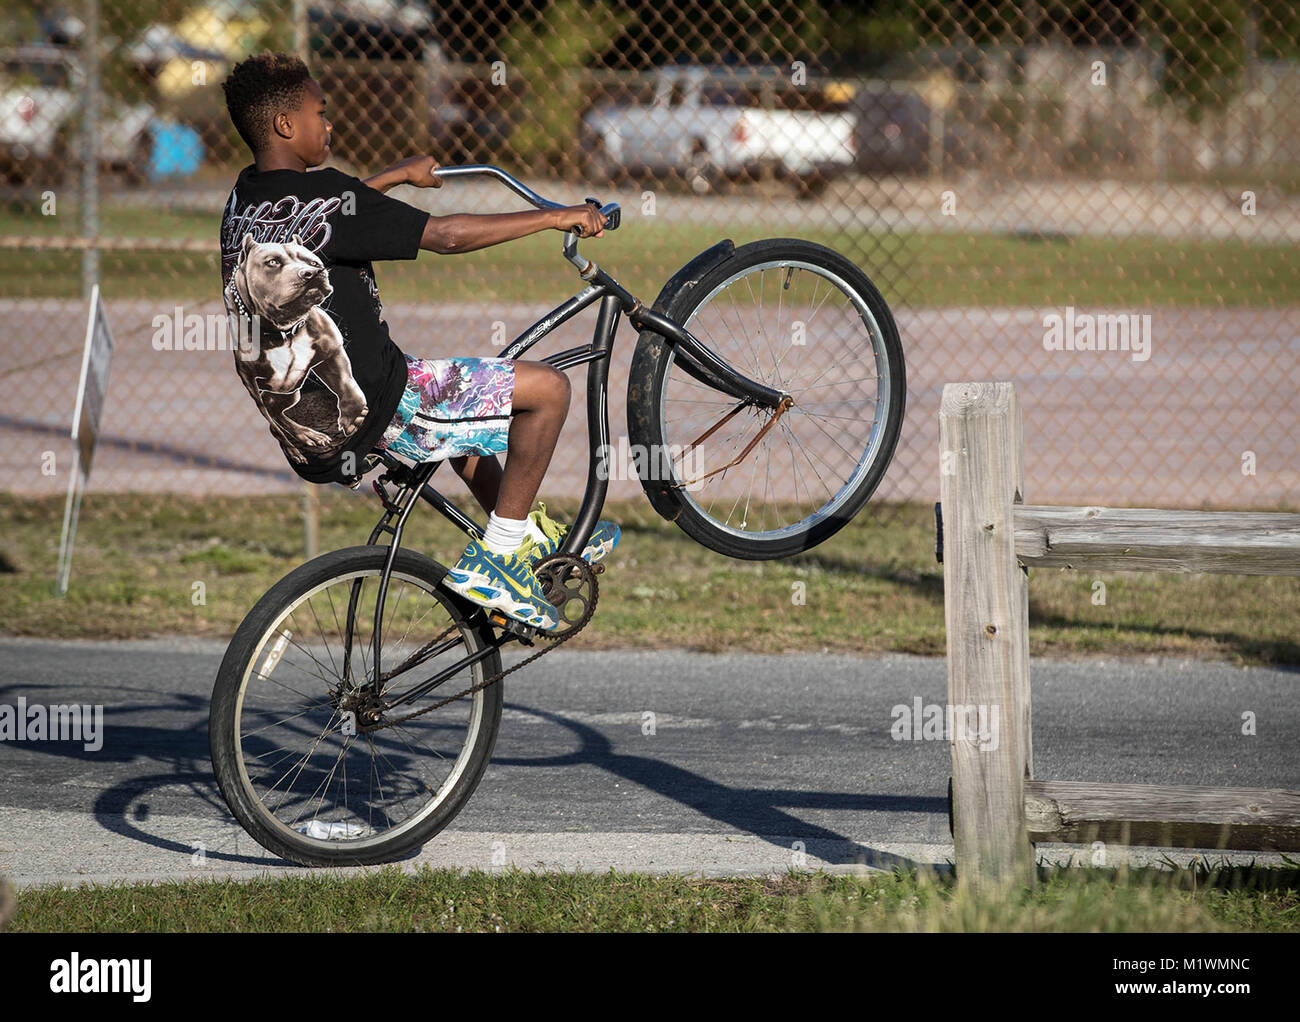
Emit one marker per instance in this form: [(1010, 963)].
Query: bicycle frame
[(613, 301)]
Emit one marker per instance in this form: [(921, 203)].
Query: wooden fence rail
[(990, 540), (1146, 539)]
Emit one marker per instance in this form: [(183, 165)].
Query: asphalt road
[(750, 756)]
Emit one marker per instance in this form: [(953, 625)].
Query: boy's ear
[(282, 125)]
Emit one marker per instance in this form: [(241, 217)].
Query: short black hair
[(258, 88)]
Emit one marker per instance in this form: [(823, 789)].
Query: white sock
[(504, 535), (534, 530)]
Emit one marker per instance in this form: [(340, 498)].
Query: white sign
[(94, 381), (91, 390)]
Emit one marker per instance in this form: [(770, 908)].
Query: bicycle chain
[(574, 629)]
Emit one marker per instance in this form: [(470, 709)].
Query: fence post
[(91, 111), (310, 499), (986, 608), (310, 519), (301, 31)]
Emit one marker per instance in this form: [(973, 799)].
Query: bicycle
[(340, 759)]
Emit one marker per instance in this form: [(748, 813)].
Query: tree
[(1203, 47), (549, 53)]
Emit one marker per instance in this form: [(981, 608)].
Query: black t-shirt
[(314, 351)]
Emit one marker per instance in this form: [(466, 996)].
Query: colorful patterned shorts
[(452, 407)]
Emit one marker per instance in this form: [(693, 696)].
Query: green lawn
[(1069, 900), (911, 269), (875, 587)]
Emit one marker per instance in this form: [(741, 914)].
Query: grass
[(873, 588), (912, 269), (1202, 899)]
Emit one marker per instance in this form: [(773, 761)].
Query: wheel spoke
[(823, 415), (838, 383)]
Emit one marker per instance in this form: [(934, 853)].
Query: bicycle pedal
[(524, 633)]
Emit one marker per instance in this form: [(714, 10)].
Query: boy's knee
[(555, 384), (563, 386), (539, 384)]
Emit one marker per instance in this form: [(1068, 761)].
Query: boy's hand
[(421, 171), (586, 221)]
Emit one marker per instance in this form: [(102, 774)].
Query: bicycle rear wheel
[(742, 481), (303, 757)]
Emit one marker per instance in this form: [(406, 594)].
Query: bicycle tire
[(266, 618), (649, 429)]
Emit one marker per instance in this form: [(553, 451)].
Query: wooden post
[(310, 520), (986, 608)]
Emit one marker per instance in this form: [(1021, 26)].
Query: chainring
[(564, 578), (569, 584)]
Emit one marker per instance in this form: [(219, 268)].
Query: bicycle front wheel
[(740, 479), (320, 765)]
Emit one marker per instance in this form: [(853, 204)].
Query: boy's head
[(278, 109)]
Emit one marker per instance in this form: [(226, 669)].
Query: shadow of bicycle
[(178, 771)]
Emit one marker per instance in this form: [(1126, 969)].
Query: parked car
[(369, 29), (708, 124), (894, 134), (40, 118)]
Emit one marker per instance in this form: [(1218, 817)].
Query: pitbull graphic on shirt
[(283, 285)]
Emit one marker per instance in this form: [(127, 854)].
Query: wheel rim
[(310, 781), (852, 393)]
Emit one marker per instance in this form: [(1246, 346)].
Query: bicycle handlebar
[(610, 211), (516, 186)]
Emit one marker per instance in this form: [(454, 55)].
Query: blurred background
[(990, 165)]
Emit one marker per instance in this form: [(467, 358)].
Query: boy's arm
[(467, 232)]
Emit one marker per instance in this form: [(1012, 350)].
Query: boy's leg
[(488, 573), (482, 474), (540, 401), (538, 410)]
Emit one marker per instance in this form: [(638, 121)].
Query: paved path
[(754, 760)]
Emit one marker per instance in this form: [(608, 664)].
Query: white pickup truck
[(709, 123)]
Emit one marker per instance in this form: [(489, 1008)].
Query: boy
[(296, 251)]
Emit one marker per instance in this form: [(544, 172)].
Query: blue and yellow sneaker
[(503, 582), (604, 537)]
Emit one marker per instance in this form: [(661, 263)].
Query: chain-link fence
[(1098, 201)]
